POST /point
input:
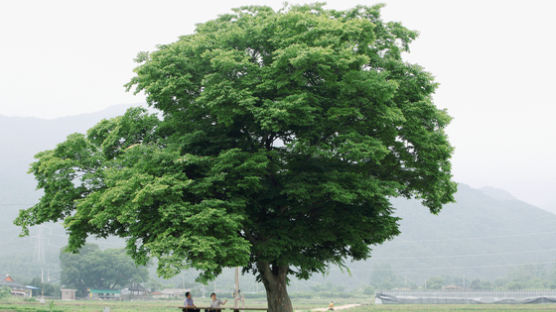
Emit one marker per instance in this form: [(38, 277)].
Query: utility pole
[(236, 289), (39, 251), (237, 293)]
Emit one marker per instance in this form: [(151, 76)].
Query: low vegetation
[(163, 306)]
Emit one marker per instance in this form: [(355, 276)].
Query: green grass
[(454, 307), (88, 306), (18, 305)]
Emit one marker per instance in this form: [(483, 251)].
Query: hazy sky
[(494, 59)]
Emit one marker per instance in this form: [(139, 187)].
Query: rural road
[(341, 307)]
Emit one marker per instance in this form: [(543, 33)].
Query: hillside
[(20, 140), (484, 234)]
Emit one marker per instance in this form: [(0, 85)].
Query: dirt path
[(337, 308)]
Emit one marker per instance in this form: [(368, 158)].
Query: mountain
[(484, 234), (497, 193), (20, 139)]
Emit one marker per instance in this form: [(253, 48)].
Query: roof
[(11, 284)]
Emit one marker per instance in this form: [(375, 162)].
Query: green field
[(18, 305), (450, 307)]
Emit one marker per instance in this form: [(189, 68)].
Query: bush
[(5, 292), (254, 296), (369, 290), (45, 289), (301, 295), (435, 283)]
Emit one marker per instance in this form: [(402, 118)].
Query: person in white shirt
[(216, 303)]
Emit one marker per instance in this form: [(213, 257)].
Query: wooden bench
[(185, 309)]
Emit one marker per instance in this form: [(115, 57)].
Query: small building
[(452, 287), (105, 294), (68, 294), (15, 288)]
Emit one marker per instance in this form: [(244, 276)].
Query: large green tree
[(99, 269), (280, 138)]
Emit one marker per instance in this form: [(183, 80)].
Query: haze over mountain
[(20, 139), (483, 235)]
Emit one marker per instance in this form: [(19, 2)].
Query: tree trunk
[(275, 282)]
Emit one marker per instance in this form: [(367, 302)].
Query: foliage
[(99, 269), (518, 278), (369, 290), (283, 136), (45, 289), (478, 284), (435, 282), (528, 277), (384, 278), (5, 292)]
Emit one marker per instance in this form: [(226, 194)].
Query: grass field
[(449, 307), (18, 305)]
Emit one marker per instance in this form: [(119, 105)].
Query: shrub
[(5, 292)]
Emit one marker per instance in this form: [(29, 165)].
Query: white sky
[(494, 59)]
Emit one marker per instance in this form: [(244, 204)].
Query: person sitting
[(216, 303), (189, 305), (238, 297)]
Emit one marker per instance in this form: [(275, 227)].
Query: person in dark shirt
[(188, 303)]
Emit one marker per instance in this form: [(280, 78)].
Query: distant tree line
[(522, 277), (99, 269), (44, 288), (91, 268)]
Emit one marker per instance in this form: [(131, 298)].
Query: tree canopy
[(99, 269), (280, 138)]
